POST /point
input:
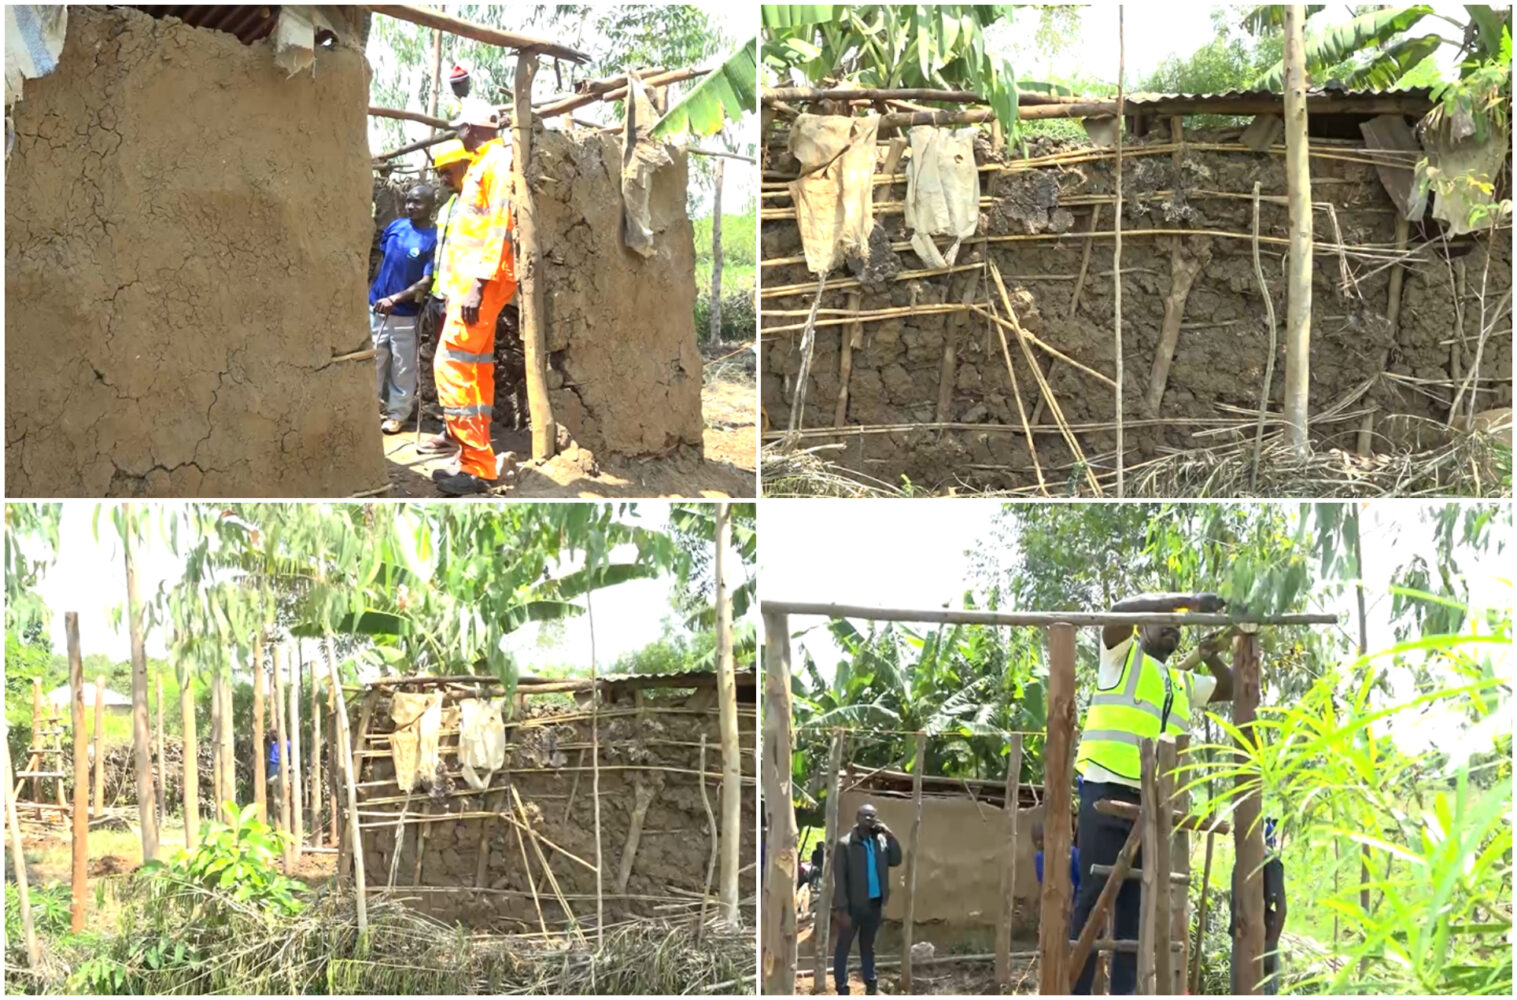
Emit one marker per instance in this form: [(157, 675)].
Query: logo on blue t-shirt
[(414, 252)]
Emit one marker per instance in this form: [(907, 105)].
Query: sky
[(89, 578), (910, 554)]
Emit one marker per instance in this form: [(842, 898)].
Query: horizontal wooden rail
[(1094, 618)]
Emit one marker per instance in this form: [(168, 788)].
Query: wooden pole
[(81, 826), (314, 789), (1100, 618), (726, 697), (297, 797), (822, 938), (147, 815), (1009, 865), (600, 867), (228, 737), (333, 771), (913, 843), (1298, 277), (436, 77), (218, 786), (18, 858), (99, 796), (1080, 951), (1248, 832), (1116, 253), (34, 764), (1154, 959), (528, 261), (191, 762), (429, 18), (355, 844), (778, 938), (715, 328), (280, 736), (163, 773), (1058, 770), (1179, 898)]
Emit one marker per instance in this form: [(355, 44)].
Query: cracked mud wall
[(624, 370), (183, 259), (1218, 365), (549, 767)]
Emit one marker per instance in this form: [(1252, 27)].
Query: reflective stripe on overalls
[(1147, 700)]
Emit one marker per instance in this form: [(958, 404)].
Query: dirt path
[(728, 470)]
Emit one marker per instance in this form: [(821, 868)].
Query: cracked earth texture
[(184, 241)]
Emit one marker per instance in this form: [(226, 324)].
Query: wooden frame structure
[(1056, 953)]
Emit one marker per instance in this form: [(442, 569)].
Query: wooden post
[(292, 778), (280, 734), (600, 865), (852, 336), (333, 771), (260, 759), (1116, 269), (1248, 832), (821, 938), (1298, 274), (1009, 864), (778, 938), (18, 858), (163, 772), (314, 791), (228, 738), (99, 795), (191, 762), (147, 815), (34, 765), (218, 786), (436, 85), (1197, 952), (81, 826), (726, 697), (1154, 959), (1179, 900), (355, 845), (528, 260), (716, 257), (913, 842), (1058, 770)]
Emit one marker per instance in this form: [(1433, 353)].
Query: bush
[(738, 316)]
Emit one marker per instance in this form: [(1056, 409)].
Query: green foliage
[(233, 869), (50, 910), (739, 276), (886, 45), (738, 314), (725, 94), (31, 526), (1329, 46)]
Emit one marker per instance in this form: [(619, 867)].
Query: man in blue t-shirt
[(400, 285), (1037, 858)]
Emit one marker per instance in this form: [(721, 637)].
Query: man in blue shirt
[(400, 285), (1037, 858), (861, 885)]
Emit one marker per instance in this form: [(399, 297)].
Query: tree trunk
[(334, 773), (1248, 834), (99, 795), (1009, 865), (716, 257), (163, 773), (1298, 278), (436, 77), (191, 759), (913, 844), (147, 815), (823, 931), (778, 938), (228, 738), (23, 893), (281, 736), (355, 844), (1058, 757), (314, 791), (81, 825), (218, 785), (260, 761), (297, 827), (528, 261), (726, 695)]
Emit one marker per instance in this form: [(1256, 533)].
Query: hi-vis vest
[(1148, 699), (445, 220), (479, 226)]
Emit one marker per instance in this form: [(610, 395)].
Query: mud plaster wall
[(959, 870), (1220, 358), (624, 369), (670, 864), (183, 258)]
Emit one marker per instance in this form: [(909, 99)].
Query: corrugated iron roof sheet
[(249, 24), (1262, 94)]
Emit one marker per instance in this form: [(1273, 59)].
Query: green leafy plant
[(235, 868), (50, 910)]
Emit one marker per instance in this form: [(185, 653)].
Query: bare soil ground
[(728, 406)]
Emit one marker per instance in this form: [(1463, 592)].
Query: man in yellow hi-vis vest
[(1138, 696)]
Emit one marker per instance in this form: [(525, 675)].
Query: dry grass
[(804, 473)]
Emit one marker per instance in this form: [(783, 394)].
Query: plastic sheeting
[(834, 196), (481, 739), (413, 744), (640, 161), (942, 191), (33, 38)]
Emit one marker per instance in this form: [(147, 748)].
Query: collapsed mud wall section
[(962, 843), (183, 259), (549, 764), (898, 368), (624, 368)]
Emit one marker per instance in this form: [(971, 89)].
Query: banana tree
[(725, 94)]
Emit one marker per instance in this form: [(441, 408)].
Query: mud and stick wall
[(624, 369), (963, 843), (184, 257), (898, 364), (549, 764)]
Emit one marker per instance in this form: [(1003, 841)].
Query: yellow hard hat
[(448, 152)]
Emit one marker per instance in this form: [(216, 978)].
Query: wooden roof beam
[(427, 17)]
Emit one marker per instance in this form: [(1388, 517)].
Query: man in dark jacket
[(861, 866)]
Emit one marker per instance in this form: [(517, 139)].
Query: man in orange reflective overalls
[(478, 279)]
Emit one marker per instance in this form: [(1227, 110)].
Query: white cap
[(476, 112)]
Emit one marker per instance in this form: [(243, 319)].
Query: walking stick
[(416, 370)]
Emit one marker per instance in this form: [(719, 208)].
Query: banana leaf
[(1335, 44), (779, 16), (726, 93)]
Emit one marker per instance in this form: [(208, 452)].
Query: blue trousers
[(1101, 840), (865, 928)]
